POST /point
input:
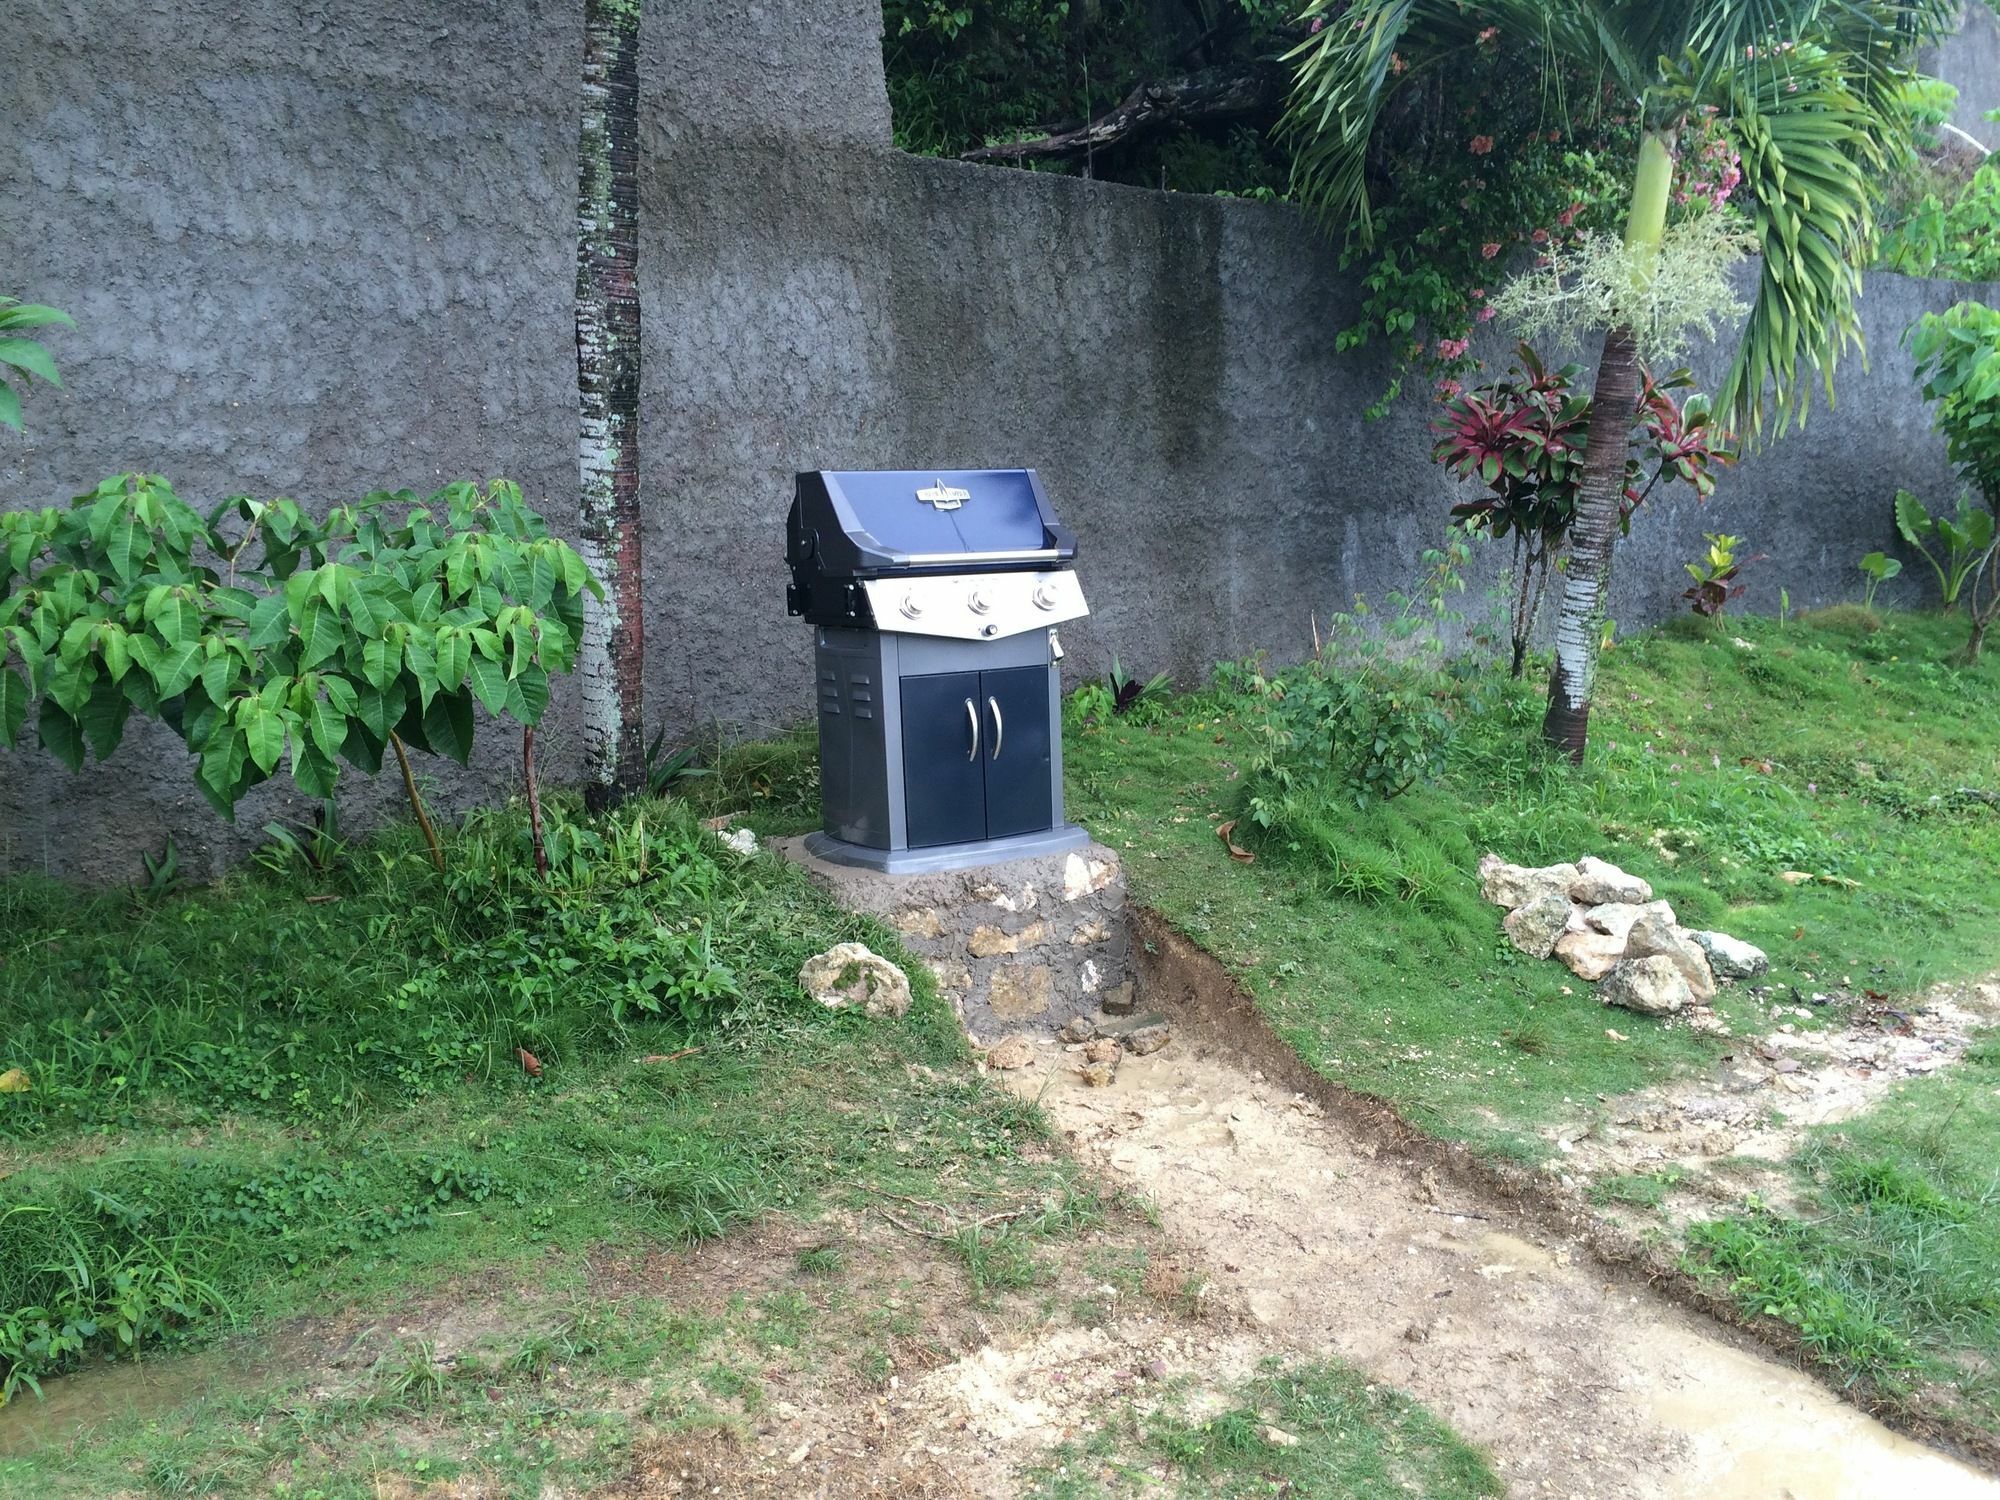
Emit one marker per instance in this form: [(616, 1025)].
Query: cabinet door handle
[(999, 726), (972, 718)]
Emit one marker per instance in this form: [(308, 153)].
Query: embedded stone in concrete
[(953, 978), (1017, 992), (1120, 1000), (918, 921), (1005, 948), (992, 942), (1083, 875)]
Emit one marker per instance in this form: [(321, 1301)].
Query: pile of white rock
[(1606, 926)]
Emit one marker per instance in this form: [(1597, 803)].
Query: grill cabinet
[(935, 597)]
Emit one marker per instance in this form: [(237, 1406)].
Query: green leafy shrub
[(1879, 568), (1950, 234), (380, 626), (1372, 715), (23, 360), (1962, 541), (1958, 366)]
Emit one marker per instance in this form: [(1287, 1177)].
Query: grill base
[(930, 861)]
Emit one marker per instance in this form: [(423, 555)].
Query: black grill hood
[(879, 522)]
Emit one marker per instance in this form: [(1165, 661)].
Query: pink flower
[(1489, 33), (1318, 21), (1479, 294), (1396, 64), (1488, 250), (1451, 348), (1481, 144), (1540, 236), (1485, 314), (1448, 388)]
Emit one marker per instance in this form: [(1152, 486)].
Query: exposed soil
[(1579, 1385), (1769, 1092)]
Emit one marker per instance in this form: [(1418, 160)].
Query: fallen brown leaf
[(1242, 856)]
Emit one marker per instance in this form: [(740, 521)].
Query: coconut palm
[(611, 661), (1810, 93)]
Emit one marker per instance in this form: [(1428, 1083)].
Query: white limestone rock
[(1652, 985), (1731, 958), (1598, 882), (849, 976)]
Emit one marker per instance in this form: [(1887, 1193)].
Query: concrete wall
[(316, 250)]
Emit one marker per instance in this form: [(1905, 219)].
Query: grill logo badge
[(943, 496)]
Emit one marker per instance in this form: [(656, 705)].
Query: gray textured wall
[(318, 250)]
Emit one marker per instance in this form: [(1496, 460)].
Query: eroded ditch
[(1582, 1358)]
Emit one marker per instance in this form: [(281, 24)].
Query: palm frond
[(1812, 143), (1347, 71)]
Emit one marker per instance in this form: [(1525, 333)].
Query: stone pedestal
[(1021, 946)]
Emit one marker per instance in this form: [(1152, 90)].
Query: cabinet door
[(1019, 795), (944, 758)]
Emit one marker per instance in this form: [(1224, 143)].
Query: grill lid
[(868, 523)]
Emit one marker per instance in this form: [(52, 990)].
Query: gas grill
[(935, 597)]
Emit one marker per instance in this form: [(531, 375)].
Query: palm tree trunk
[(1594, 532), (1580, 627), (611, 658)]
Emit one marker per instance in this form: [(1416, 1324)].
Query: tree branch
[(1248, 89)]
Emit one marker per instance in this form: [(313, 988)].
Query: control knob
[(911, 608), (979, 603), (1045, 596)]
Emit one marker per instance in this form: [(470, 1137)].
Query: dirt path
[(1578, 1387)]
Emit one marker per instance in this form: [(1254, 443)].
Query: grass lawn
[(280, 1138), (1719, 759)]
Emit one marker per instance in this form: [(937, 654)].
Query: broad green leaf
[(448, 725), (489, 681), (174, 619), (34, 315), (313, 772), (103, 718), (13, 706), (320, 636), (329, 728), (218, 676), (264, 737), (60, 735), (367, 613), (1913, 522), (528, 695), (381, 661), (121, 546), (454, 659), (177, 667), (30, 358), (341, 694), (10, 407), (423, 666), (270, 622)]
